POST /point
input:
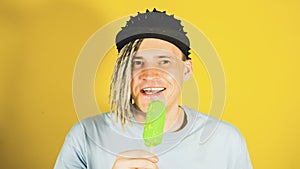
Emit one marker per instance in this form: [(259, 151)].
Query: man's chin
[(141, 107), (145, 100)]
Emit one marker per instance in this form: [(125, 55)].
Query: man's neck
[(174, 119)]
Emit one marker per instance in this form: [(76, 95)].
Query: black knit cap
[(154, 24)]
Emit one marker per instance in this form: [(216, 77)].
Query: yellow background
[(258, 43)]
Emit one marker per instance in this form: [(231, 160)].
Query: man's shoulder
[(93, 122), (211, 127)]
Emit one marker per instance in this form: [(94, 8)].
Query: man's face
[(158, 73)]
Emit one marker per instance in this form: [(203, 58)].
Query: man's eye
[(137, 63), (164, 62)]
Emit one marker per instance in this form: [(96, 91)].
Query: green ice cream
[(154, 126)]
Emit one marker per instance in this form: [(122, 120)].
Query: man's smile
[(152, 90)]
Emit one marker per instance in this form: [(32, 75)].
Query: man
[(152, 64)]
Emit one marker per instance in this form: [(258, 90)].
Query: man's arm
[(243, 161)]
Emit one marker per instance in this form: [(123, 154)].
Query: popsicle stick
[(151, 149)]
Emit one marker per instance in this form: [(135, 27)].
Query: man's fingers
[(139, 159), (139, 154), (140, 163)]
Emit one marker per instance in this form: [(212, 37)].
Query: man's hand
[(136, 159)]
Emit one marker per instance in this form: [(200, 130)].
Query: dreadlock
[(120, 88)]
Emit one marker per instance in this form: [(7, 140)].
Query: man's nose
[(150, 74)]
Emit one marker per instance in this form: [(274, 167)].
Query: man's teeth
[(153, 90)]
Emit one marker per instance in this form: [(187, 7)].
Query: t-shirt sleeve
[(72, 154), (243, 161), (240, 155)]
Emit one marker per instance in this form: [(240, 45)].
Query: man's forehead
[(154, 43)]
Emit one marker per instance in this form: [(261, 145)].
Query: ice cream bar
[(154, 126)]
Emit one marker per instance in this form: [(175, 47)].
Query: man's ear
[(188, 70)]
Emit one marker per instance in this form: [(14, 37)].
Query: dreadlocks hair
[(120, 84)]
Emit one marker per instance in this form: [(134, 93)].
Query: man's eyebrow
[(163, 56), (137, 57)]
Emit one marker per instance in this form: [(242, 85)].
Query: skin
[(136, 159), (152, 69)]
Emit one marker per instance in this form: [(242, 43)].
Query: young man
[(152, 64)]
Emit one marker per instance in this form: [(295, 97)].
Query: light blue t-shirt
[(204, 143)]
